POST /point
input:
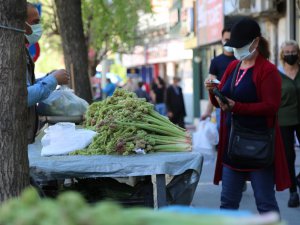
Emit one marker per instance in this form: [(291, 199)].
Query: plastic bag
[(62, 102), (206, 138), (181, 189), (63, 138)]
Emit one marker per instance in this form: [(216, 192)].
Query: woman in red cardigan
[(254, 103)]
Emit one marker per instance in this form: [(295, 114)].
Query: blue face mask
[(37, 32), (243, 52)]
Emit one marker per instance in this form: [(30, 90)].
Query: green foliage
[(110, 25), (71, 209), (51, 56)]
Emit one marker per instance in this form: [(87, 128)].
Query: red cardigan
[(268, 85)]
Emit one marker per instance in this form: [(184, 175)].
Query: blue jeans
[(262, 182), (161, 109), (218, 117)]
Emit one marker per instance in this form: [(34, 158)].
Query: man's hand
[(170, 114), (62, 76)]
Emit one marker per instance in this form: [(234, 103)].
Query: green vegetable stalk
[(125, 123)]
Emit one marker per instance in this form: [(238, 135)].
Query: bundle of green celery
[(125, 123)]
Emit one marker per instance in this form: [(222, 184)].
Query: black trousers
[(288, 137), (178, 120)]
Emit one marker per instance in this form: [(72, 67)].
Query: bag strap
[(235, 72)]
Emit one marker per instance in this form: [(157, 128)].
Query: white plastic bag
[(206, 138), (62, 102), (63, 138)]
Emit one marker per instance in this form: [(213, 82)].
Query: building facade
[(182, 36), (279, 21)]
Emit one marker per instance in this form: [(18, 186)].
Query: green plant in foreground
[(70, 208)]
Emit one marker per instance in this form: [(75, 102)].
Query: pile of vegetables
[(70, 208), (125, 123)]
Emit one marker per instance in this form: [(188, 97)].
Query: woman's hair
[(263, 47), (286, 43), (161, 81)]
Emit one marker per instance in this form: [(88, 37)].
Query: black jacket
[(174, 102)]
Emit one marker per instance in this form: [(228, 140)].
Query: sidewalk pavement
[(208, 195)]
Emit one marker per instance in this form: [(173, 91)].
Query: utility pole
[(291, 19)]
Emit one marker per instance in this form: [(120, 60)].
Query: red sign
[(210, 21)]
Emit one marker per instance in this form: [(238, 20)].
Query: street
[(207, 194)]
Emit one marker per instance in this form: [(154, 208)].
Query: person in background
[(38, 89), (289, 111), (141, 93), (254, 103), (109, 88), (158, 90), (131, 84), (217, 68), (175, 103)]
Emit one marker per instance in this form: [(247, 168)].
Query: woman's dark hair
[(140, 84), (263, 47), (161, 81)]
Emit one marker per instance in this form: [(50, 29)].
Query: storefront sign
[(190, 43), (137, 58), (168, 52), (158, 53), (210, 21)]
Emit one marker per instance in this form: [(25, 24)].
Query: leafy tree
[(14, 166), (74, 45), (111, 25)]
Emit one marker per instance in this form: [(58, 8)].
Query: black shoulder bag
[(250, 147)]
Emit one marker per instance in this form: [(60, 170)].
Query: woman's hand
[(209, 85), (226, 107)]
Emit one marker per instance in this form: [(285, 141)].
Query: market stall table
[(80, 166)]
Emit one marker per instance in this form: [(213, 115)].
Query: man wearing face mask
[(289, 112), (253, 100), (40, 89), (217, 68)]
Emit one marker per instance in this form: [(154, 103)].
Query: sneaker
[(294, 200)]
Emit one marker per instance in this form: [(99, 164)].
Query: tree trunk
[(14, 168), (74, 45)]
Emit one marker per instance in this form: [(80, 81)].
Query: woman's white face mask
[(243, 52)]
